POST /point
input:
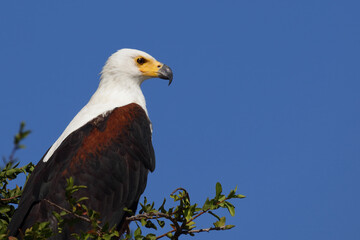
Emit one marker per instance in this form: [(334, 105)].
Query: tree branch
[(195, 231), (206, 230)]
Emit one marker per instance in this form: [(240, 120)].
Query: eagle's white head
[(134, 65)]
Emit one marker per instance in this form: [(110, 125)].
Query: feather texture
[(111, 154)]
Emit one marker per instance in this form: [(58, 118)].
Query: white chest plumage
[(106, 98)]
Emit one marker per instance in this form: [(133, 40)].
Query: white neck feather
[(112, 92)]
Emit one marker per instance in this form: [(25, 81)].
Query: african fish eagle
[(107, 147)]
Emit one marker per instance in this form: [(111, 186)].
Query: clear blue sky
[(265, 96)]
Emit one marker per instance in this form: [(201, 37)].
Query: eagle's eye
[(141, 60)]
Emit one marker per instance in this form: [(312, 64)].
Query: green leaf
[(137, 232), (218, 190), (56, 215), (150, 236), (128, 210), (207, 205), (43, 225), (240, 196), (150, 224), (220, 223), (229, 226), (162, 208), (161, 223), (82, 199), (70, 182), (4, 209), (221, 198), (230, 208), (190, 225)]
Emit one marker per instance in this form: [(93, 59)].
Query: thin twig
[(201, 213), (163, 235), (67, 211), (195, 231), (206, 230), (12, 154), (180, 188), (198, 215), (10, 198)]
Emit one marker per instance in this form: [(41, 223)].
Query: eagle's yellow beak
[(154, 69)]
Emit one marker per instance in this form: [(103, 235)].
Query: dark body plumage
[(111, 154)]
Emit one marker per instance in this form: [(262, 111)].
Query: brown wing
[(111, 155)]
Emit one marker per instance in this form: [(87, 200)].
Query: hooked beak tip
[(165, 72)]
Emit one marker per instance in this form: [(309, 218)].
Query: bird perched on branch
[(106, 147)]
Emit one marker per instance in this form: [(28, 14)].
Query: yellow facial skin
[(149, 67)]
